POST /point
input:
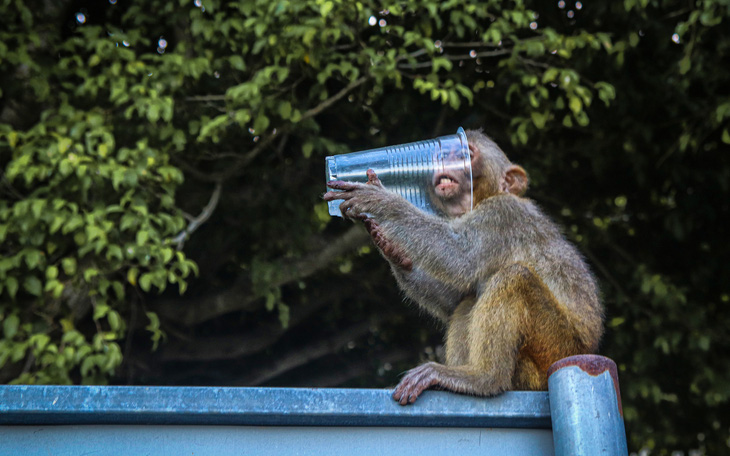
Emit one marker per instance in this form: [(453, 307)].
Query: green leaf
[(33, 285), (90, 273), (118, 288), (575, 104), (237, 63), (307, 149), (51, 272), (115, 321), (87, 365), (18, 352), (33, 258), (325, 8), (442, 62), (114, 251), (550, 75), (37, 207), (10, 326), (130, 178), (128, 221), (261, 124), (704, 343), (69, 266), (142, 237), (167, 254), (616, 322), (132, 274), (100, 311), (283, 315), (56, 224), (539, 119), (72, 224), (270, 301), (145, 281), (11, 284), (218, 123), (154, 321), (153, 112), (285, 110), (685, 64)]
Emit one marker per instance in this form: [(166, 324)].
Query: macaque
[(513, 294)]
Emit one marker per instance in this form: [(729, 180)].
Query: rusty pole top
[(592, 365)]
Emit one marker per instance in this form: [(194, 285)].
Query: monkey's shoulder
[(508, 209)]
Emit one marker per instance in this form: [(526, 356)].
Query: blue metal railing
[(579, 415)]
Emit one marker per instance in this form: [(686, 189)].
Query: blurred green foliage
[(119, 120)]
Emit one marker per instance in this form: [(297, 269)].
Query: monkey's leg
[(513, 330), (458, 324), (483, 339)]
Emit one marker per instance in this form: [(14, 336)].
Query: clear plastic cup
[(412, 170)]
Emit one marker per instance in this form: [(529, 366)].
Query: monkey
[(513, 294)]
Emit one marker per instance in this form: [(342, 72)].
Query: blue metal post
[(585, 405)]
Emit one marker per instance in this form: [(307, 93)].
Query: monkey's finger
[(348, 209), (401, 395), (399, 389), (373, 178), (417, 390), (361, 217), (346, 206), (343, 185), (404, 399), (410, 396), (405, 392), (332, 196), (406, 264), (370, 225), (420, 385)]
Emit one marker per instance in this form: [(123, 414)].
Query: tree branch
[(605, 272), (206, 98), (305, 354), (336, 377), (429, 63), (332, 100), (200, 219), (230, 347), (244, 160), (472, 44), (239, 297)]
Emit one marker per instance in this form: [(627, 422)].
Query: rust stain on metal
[(592, 365)]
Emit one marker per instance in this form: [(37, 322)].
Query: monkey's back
[(532, 239)]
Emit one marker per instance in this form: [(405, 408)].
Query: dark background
[(224, 130)]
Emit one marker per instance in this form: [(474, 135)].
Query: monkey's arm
[(432, 295), (391, 252), (456, 252)]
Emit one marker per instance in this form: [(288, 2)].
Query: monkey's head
[(492, 174)]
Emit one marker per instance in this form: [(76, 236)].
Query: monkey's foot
[(416, 381)]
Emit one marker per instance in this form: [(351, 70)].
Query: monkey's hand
[(392, 252), (362, 200), (416, 381)]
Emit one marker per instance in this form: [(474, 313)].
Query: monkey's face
[(449, 185), (452, 190)]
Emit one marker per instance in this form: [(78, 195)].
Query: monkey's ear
[(515, 180)]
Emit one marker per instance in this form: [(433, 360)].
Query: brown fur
[(514, 295)]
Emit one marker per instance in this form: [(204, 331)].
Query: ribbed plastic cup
[(411, 170)]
